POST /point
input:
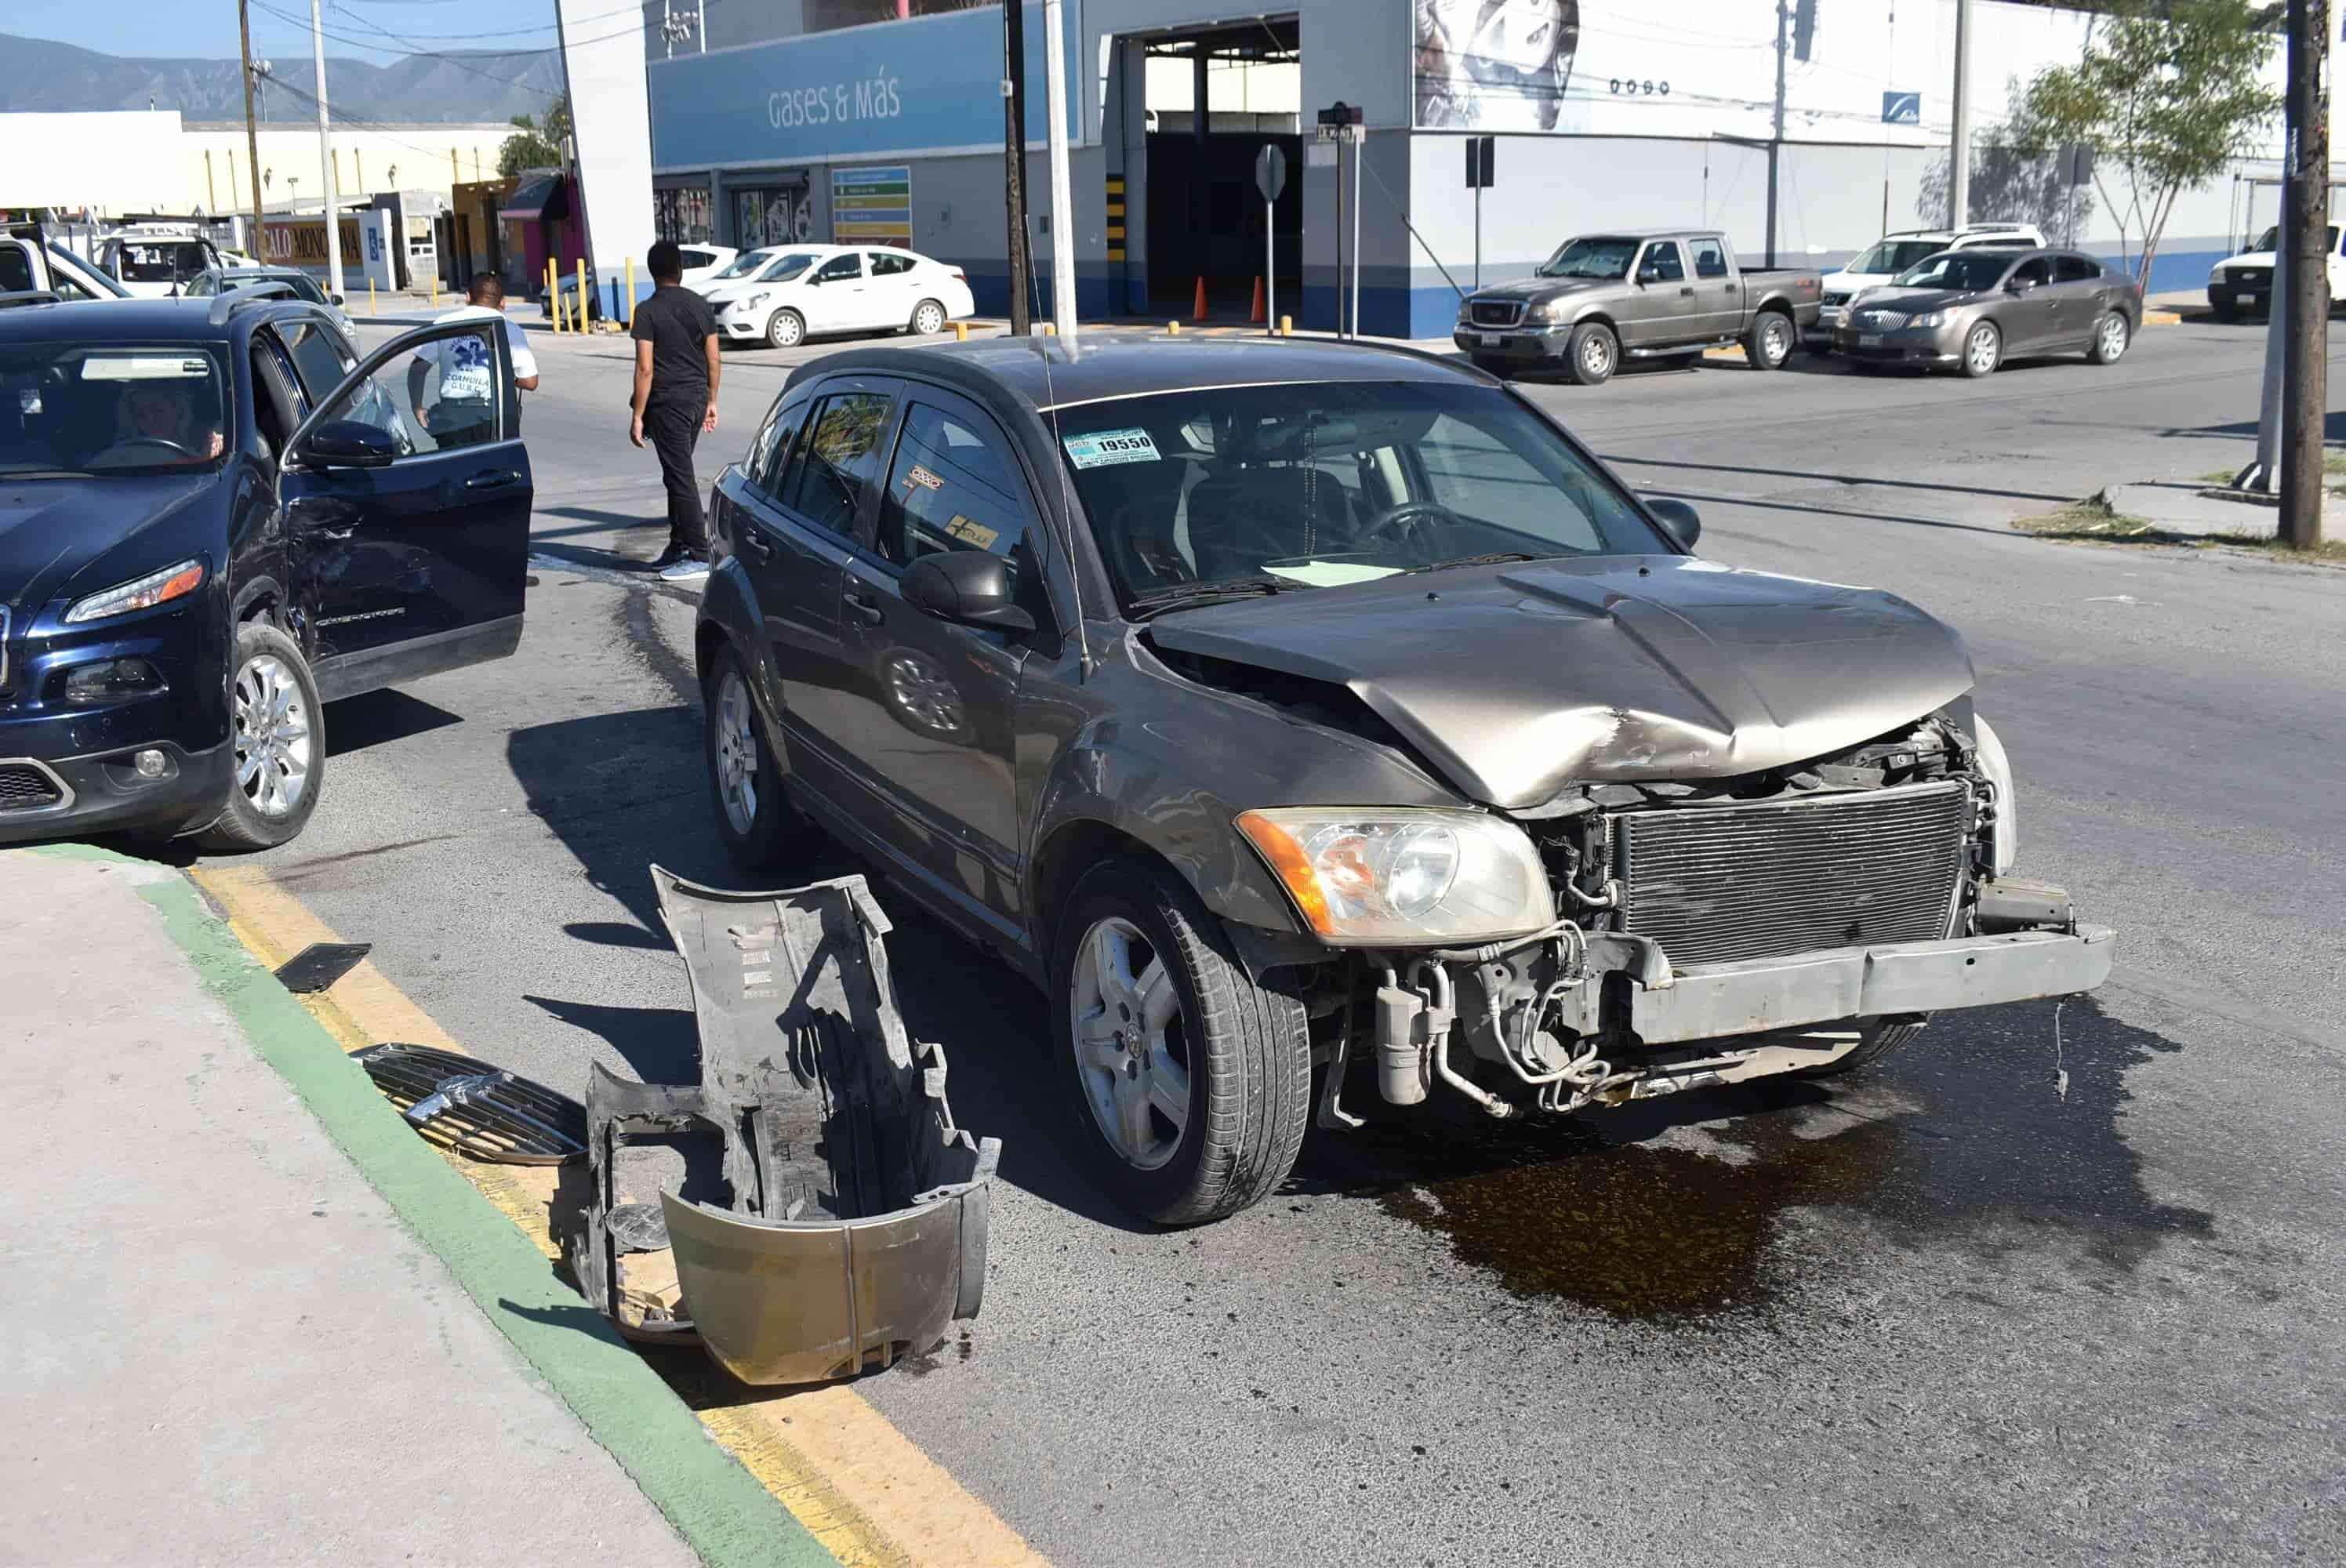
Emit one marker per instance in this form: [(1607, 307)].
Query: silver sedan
[(1973, 310)]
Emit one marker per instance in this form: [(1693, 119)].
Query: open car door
[(406, 495)]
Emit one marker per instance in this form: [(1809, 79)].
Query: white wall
[(391, 157), (111, 163)]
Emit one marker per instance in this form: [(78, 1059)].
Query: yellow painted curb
[(860, 1486), (2161, 318)]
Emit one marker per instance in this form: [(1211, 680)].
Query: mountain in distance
[(476, 87)]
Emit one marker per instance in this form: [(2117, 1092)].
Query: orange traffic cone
[(1198, 311), (1259, 317)]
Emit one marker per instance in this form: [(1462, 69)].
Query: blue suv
[(215, 517)]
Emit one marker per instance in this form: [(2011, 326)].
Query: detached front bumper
[(1714, 1001)]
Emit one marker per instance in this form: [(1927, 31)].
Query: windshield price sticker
[(1111, 446)]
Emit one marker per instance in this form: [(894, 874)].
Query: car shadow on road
[(377, 718), (624, 791), (1995, 1134)]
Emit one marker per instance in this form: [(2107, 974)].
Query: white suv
[(1893, 253), (2243, 284)]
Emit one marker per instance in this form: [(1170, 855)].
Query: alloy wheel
[(1775, 343), (736, 753), (1979, 350), (929, 320), (1596, 356), (1129, 1054), (272, 737), (2114, 337)]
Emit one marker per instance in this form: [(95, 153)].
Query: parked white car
[(29, 259), (1893, 253), (153, 265), (2243, 284), (813, 291), (701, 262)]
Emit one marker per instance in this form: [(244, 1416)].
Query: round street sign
[(1271, 172)]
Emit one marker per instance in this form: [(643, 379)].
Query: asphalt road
[(2058, 1284)]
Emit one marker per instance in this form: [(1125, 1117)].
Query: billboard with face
[(1493, 64)]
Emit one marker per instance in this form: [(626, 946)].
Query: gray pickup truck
[(1605, 297)]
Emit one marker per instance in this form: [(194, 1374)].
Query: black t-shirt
[(678, 323)]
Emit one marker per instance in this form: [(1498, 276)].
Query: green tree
[(2166, 93), (536, 146)]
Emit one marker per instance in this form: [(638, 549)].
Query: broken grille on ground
[(482, 1112)]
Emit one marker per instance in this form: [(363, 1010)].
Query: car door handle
[(491, 479), (1686, 291), (865, 606), (754, 543)]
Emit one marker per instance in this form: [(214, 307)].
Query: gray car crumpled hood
[(1517, 680)]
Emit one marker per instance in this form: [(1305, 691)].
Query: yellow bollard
[(580, 315), (370, 310), (1050, 329), (1286, 326), (435, 290), (631, 291), (961, 331), (553, 296), (1172, 329)]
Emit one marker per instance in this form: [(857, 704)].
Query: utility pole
[(2305, 233), (251, 135), (1063, 205), (1776, 141), (1014, 160), (1958, 141), (326, 156)]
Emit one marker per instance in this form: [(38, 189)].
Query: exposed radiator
[(1716, 883)]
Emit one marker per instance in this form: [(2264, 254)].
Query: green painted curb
[(719, 1508)]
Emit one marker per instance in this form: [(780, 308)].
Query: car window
[(163, 261), (786, 267), (1591, 256), (1661, 263), (692, 259), (1894, 256), (839, 461), (744, 264), (2078, 270), (2036, 269), (440, 394), (1965, 270), (952, 487), (888, 263), (1324, 484), (767, 466), (318, 355), (1710, 258), (15, 270), (203, 285), (110, 408), (840, 268)]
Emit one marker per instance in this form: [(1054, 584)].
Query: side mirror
[(350, 443), (1679, 519), (337, 298), (968, 587)]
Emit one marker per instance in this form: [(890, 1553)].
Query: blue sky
[(207, 28)]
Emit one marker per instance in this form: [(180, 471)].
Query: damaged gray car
[(1286, 708)]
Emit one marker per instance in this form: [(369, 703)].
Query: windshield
[(159, 262), (2271, 239), (1894, 256), (787, 268), (1319, 485), (71, 409), (1967, 271), (744, 264), (1591, 258)]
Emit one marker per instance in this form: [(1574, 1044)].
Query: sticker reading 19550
[(1111, 446)]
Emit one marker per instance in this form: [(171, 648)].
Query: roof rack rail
[(231, 300)]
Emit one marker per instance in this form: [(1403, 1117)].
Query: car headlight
[(2003, 833), (140, 593), (1546, 311), (1381, 877), (1928, 319)]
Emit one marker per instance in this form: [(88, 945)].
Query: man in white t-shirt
[(465, 414)]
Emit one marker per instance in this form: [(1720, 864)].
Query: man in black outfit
[(677, 372)]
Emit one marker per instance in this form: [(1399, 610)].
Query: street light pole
[(326, 155), (251, 135), (1013, 160), (2305, 390), (1063, 207), (1776, 141), (1959, 140)]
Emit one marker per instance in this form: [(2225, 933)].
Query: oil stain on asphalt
[(1671, 1210)]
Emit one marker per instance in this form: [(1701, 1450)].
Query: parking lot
[(2060, 1281)]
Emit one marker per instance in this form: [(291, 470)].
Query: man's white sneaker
[(685, 571)]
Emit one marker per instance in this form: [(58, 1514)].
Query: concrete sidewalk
[(225, 1347)]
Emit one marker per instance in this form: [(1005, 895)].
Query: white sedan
[(809, 291), (701, 263)]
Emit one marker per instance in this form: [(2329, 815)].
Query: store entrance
[(1217, 97)]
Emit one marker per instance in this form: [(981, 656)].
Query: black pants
[(673, 427)]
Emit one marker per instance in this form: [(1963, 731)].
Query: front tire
[(1982, 350), (277, 734), (1191, 1084), (1768, 343), (928, 318), (1879, 1039), (1593, 354), (785, 330), (2111, 336), (755, 824)]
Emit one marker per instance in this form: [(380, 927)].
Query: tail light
[(958, 275)]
